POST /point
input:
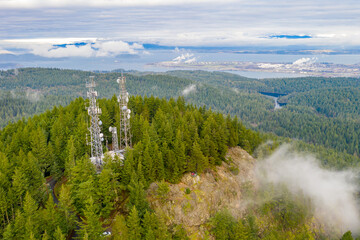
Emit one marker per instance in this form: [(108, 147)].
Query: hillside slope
[(223, 187)]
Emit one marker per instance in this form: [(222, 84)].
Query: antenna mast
[(115, 145), (123, 99), (95, 132)]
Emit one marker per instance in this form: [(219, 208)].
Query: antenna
[(123, 99), (115, 145), (96, 137)]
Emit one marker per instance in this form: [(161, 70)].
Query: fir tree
[(120, 230), (91, 225), (133, 223)]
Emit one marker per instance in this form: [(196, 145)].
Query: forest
[(319, 112), (170, 138)]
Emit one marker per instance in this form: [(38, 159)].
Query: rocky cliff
[(196, 198)]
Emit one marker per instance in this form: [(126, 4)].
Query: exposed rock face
[(210, 192)]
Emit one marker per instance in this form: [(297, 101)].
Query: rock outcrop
[(196, 198)]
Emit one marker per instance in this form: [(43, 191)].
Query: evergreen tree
[(91, 224), (50, 218), (66, 209), (39, 148), (197, 162), (133, 223), (119, 229), (137, 196), (45, 236), (105, 192), (70, 160), (58, 235), (30, 216)]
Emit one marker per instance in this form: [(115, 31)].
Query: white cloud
[(186, 58), (305, 61), (112, 48), (187, 22), (2, 51), (98, 3), (68, 51), (89, 47)]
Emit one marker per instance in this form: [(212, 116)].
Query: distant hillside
[(319, 111)]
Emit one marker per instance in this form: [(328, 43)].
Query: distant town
[(304, 66)]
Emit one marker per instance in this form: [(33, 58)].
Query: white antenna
[(95, 133), (123, 99)]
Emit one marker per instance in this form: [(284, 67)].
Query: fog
[(332, 193), (189, 89)]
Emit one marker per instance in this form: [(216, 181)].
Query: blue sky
[(111, 27)]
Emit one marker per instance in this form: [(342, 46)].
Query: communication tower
[(123, 99), (115, 145), (95, 132)]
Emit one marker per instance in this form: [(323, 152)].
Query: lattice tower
[(123, 99), (115, 144), (95, 132)]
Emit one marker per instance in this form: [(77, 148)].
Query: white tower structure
[(123, 99), (115, 145), (95, 132)]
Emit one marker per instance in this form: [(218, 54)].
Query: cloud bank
[(333, 194), (58, 48), (187, 23), (98, 3)]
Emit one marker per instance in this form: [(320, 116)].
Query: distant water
[(139, 62), (260, 75)]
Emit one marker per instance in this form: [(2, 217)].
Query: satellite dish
[(129, 111), (124, 108), (110, 129), (128, 116), (100, 122), (127, 99), (101, 135), (102, 139)]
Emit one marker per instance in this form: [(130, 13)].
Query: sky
[(100, 28)]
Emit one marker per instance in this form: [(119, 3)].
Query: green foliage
[(119, 228), (170, 138), (223, 225), (347, 236), (163, 190), (133, 223), (91, 226)]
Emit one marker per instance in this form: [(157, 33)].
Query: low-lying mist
[(332, 193), (189, 89)]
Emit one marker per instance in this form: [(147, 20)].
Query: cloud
[(97, 3), (188, 23), (2, 51), (332, 193), (73, 47), (305, 61), (189, 89), (185, 58), (113, 48), (68, 51)]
